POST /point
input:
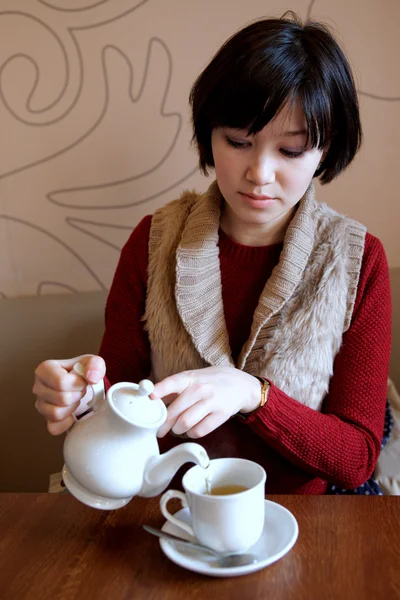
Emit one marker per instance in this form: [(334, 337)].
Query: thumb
[(89, 366), (95, 369)]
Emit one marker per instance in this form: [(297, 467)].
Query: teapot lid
[(134, 405)]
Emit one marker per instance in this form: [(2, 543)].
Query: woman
[(263, 316)]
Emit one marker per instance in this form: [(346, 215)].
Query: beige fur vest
[(303, 311)]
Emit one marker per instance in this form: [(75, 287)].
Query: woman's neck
[(255, 234)]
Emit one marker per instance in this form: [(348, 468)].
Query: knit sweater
[(300, 448)]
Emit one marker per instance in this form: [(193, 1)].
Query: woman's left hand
[(200, 401)]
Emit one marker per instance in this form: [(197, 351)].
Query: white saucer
[(278, 537)]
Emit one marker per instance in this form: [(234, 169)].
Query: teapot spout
[(161, 469)]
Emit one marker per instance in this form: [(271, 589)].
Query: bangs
[(253, 101)]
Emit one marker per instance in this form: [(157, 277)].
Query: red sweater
[(301, 449)]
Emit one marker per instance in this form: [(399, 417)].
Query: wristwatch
[(265, 385)]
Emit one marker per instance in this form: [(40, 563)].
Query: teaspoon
[(223, 560)]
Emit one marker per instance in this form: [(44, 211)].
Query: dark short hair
[(268, 64)]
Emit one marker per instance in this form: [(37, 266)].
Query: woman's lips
[(258, 201)]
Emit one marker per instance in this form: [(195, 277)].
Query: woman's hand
[(200, 401), (59, 390)]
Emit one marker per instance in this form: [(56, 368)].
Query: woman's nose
[(261, 171)]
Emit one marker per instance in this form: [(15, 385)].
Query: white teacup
[(226, 523)]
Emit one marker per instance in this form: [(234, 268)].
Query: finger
[(95, 369), (55, 397), (176, 408), (190, 418), (54, 413), (69, 363), (207, 425), (166, 399), (175, 384), (54, 376), (61, 426), (54, 373)]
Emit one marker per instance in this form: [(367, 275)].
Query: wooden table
[(54, 547)]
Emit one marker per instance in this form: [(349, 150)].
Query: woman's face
[(263, 176)]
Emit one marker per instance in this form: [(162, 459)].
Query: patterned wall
[(95, 132)]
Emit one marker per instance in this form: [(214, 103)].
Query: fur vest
[(302, 313)]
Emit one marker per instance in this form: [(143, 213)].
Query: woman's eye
[(292, 153), (236, 144)]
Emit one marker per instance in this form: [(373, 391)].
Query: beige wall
[(95, 131)]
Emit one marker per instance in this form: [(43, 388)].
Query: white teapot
[(113, 455)]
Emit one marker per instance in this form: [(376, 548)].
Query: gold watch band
[(265, 385)]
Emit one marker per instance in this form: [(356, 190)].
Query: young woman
[(263, 316)]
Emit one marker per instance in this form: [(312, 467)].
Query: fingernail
[(93, 375)]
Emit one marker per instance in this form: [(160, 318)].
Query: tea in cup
[(225, 490), (226, 503)]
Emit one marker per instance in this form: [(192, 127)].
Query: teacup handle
[(165, 498), (97, 389)]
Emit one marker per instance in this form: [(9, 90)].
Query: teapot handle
[(97, 400)]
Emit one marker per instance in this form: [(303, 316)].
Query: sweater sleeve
[(341, 444), (125, 346)]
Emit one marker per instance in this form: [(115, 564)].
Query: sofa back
[(34, 329), (61, 326)]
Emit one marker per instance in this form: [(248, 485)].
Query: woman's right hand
[(59, 390)]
